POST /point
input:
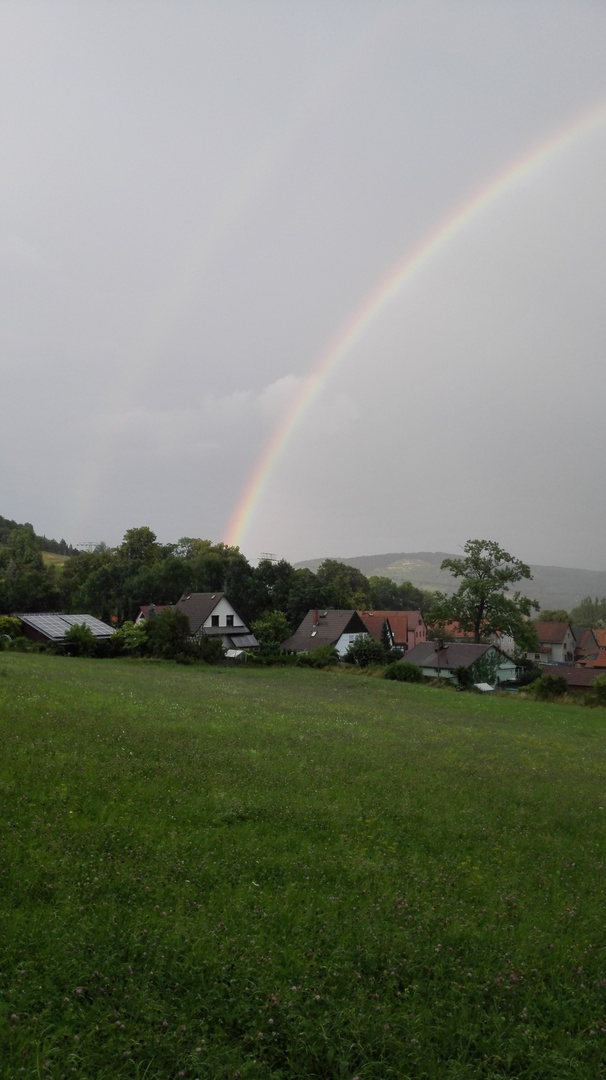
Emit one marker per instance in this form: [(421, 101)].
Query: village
[(574, 653)]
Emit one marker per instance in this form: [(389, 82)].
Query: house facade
[(212, 614), (556, 643)]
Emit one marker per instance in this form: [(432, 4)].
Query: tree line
[(112, 583)]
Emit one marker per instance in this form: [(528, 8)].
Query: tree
[(168, 634), (139, 545), (481, 604), (589, 613), (271, 628), (347, 586)]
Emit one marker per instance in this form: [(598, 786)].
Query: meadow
[(288, 873)]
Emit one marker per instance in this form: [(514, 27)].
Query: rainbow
[(368, 311)]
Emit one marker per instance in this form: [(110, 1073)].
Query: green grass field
[(289, 873)]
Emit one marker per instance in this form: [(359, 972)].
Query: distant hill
[(552, 586), (54, 547)]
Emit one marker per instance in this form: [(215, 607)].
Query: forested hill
[(57, 547), (553, 586)]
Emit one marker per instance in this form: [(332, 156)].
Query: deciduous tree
[(482, 604)]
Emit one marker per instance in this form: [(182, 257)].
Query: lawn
[(287, 873)]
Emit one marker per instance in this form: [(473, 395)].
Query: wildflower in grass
[(79, 990), (260, 1035)]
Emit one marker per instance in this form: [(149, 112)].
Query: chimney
[(315, 618)]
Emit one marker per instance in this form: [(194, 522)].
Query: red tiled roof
[(596, 661), (600, 636), (398, 623)]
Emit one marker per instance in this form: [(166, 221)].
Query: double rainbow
[(373, 304)]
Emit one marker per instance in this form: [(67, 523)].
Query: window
[(230, 620), (214, 620)]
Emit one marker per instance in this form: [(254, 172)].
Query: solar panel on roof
[(55, 626)]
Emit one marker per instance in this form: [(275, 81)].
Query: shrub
[(364, 651), (271, 655), (80, 641), (9, 627), (464, 677), (403, 671), (597, 692), (167, 635), (129, 638), (549, 686), (208, 649), (530, 671), (321, 657)]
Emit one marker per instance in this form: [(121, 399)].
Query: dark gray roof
[(456, 654), (54, 626), (198, 606), (242, 641), (576, 677), (322, 627)]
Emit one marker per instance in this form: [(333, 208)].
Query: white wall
[(346, 640), (223, 609)]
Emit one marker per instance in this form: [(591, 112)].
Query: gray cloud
[(194, 198)]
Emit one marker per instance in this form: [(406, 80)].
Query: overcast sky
[(196, 196)]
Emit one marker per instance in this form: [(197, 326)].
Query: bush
[(530, 671), (9, 627), (80, 641), (403, 671), (364, 651), (597, 692), (548, 687), (129, 639), (464, 677), (271, 655), (167, 635), (321, 657), (208, 649)]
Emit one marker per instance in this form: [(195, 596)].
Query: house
[(51, 626), (600, 636), (586, 646), (148, 610), (598, 661), (417, 631), (556, 643), (406, 628), (578, 678), (213, 615), (451, 631), (440, 660), (334, 627)]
